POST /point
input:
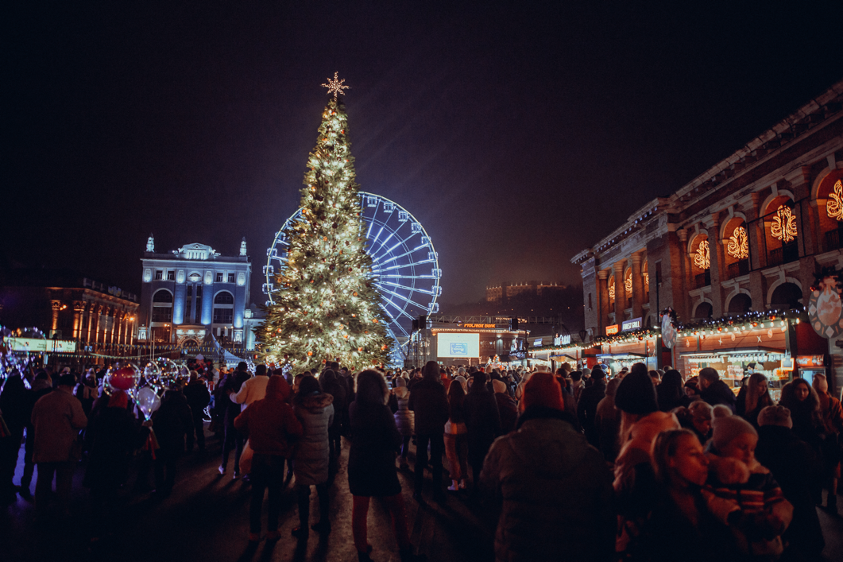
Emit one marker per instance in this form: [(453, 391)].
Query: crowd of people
[(643, 465)]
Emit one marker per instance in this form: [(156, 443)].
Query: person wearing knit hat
[(636, 393), (728, 428), (542, 391)]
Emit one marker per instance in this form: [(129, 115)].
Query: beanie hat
[(596, 373), (729, 427), (636, 393), (499, 386), (277, 387), (400, 382), (460, 379), (775, 415), (543, 390)]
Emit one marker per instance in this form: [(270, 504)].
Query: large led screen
[(458, 345)]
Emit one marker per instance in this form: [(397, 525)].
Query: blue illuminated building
[(193, 292)]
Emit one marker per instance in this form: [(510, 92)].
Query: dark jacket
[(15, 405), (113, 435), (430, 404), (198, 397), (172, 422), (508, 411), (556, 492), (587, 410), (316, 414), (719, 392), (483, 422), (336, 387), (795, 467), (371, 460), (230, 384)]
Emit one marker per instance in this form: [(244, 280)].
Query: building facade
[(192, 293), (747, 235), (505, 291)]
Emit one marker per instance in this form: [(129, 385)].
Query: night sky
[(517, 135)]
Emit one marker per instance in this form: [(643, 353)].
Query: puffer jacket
[(312, 455), (404, 417), (548, 479)]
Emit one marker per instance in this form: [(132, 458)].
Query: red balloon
[(123, 379)]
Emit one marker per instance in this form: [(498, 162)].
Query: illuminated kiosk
[(404, 264), (450, 341)]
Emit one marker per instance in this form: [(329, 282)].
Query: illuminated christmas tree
[(326, 307)]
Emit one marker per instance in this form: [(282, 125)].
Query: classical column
[(620, 292), (757, 233), (56, 308), (118, 319), (687, 281), (602, 302), (637, 287), (806, 221), (717, 266), (78, 319), (92, 308)]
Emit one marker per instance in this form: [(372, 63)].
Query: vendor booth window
[(830, 211), (781, 231)]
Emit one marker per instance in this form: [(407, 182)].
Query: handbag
[(246, 458)]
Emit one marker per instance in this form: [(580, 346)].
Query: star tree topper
[(336, 85)]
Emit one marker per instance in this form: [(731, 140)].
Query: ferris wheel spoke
[(397, 307), (405, 254), (400, 296), (385, 240), (431, 292)]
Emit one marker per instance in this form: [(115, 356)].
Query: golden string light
[(738, 246), (784, 224), (834, 205), (335, 86), (702, 257)]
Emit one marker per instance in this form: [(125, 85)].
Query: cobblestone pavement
[(206, 518)]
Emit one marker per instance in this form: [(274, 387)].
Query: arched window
[(736, 242), (781, 231), (703, 310), (223, 308), (830, 211), (786, 296), (701, 261), (162, 306), (740, 303), (223, 297)]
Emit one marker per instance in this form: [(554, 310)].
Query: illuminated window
[(834, 205)]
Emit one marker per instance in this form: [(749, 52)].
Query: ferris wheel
[(405, 265)]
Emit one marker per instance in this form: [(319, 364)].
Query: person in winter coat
[(233, 440), (172, 421), (714, 391), (507, 408), (13, 405), (680, 525), (456, 438), (641, 422), (832, 417), (86, 391), (607, 422), (315, 411), (114, 434), (371, 463), (671, 391), (42, 385), (404, 418), (272, 428), (548, 478), (57, 418), (753, 397), (198, 398), (253, 388), (483, 422), (430, 404), (795, 466), (331, 384), (587, 405)]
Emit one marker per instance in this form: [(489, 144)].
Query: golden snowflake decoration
[(335, 86), (612, 289), (834, 205), (784, 225), (738, 246), (702, 257)]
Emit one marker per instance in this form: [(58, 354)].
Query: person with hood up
[(641, 422), (714, 391), (483, 421), (404, 418), (312, 458), (548, 478), (587, 405), (172, 422), (507, 408), (795, 466), (430, 404), (271, 427)]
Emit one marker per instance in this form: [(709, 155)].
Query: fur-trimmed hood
[(316, 402)]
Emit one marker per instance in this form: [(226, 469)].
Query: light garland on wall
[(612, 289), (702, 257), (834, 205), (784, 225), (738, 246), (627, 283)]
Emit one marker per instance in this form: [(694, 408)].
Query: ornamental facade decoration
[(738, 246), (784, 225), (834, 205), (702, 257), (612, 288), (627, 283)]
